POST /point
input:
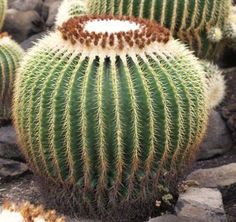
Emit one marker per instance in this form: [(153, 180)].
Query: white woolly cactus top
[(27, 212), (106, 35), (111, 36)]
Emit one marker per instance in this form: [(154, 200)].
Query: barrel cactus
[(216, 84), (105, 109), (10, 53), (206, 26), (3, 6)]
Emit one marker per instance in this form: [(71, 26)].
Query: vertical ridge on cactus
[(105, 116), (206, 26), (3, 7), (10, 53)]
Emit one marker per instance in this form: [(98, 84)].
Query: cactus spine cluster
[(3, 7), (206, 26), (107, 106), (10, 54)]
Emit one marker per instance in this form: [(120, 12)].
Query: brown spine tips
[(75, 30), (88, 42), (104, 42), (131, 43), (112, 40), (121, 45)]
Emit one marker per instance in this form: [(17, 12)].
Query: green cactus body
[(105, 107), (10, 53), (205, 25), (3, 7)]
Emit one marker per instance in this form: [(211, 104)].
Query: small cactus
[(10, 54), (3, 7), (107, 107), (206, 26), (70, 8), (216, 84)]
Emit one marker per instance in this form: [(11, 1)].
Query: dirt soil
[(21, 189)]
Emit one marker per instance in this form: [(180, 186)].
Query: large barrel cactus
[(10, 54), (206, 26), (108, 108), (3, 6)]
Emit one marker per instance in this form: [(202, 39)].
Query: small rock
[(11, 168), (8, 144), (21, 25), (8, 135), (215, 177), (203, 203), (217, 140), (232, 122), (10, 151), (173, 218), (30, 42)]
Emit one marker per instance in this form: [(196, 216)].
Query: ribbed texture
[(10, 54), (109, 126), (189, 20), (175, 14), (3, 7)]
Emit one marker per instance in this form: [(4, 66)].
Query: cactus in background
[(106, 108), (10, 54), (230, 29), (3, 7), (69, 9), (216, 84), (206, 26)]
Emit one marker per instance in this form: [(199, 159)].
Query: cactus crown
[(98, 32)]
